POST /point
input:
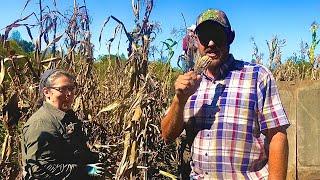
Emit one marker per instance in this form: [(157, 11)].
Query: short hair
[(47, 79), (57, 74)]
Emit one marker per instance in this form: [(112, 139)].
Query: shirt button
[(206, 154), (208, 135)]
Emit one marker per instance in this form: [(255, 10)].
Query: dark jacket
[(54, 145)]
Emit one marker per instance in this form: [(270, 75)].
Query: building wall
[(301, 101)]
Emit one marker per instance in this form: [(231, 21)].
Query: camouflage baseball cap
[(214, 15)]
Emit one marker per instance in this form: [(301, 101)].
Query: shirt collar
[(57, 113), (223, 69)]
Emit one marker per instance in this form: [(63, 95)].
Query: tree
[(15, 35), (25, 45)]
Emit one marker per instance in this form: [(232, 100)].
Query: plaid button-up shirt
[(225, 119)]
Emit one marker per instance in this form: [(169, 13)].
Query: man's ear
[(46, 92), (231, 36)]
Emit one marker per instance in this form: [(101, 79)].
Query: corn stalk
[(256, 56), (134, 113), (274, 46), (314, 43)]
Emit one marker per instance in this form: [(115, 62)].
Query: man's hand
[(95, 170), (186, 85), (172, 124)]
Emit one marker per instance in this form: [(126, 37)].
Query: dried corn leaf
[(156, 127), (50, 44), (46, 67), (15, 24), (133, 154), (6, 149), (167, 174), (137, 113), (104, 24), (19, 57), (2, 72), (53, 59), (7, 59), (27, 2), (76, 103), (124, 161), (122, 169), (111, 107)]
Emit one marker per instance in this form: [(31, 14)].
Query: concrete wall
[(301, 101)]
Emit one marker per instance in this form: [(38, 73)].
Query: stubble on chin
[(65, 107), (214, 65)]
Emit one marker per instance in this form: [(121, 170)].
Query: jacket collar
[(57, 113)]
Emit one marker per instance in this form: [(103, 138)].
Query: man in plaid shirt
[(231, 111)]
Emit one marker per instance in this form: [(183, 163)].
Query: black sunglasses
[(211, 31)]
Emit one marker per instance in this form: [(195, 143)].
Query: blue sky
[(288, 19)]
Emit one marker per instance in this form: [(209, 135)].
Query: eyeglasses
[(209, 32), (65, 89)]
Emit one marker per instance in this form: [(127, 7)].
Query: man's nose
[(211, 43), (69, 93)]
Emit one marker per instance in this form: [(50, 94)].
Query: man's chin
[(65, 107), (214, 64)]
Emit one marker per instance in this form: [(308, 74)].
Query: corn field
[(120, 103), (296, 67)]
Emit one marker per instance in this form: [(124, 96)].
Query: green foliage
[(294, 69), (15, 35), (169, 44), (27, 47), (14, 47), (103, 58), (314, 43), (3, 51), (160, 71), (105, 63), (158, 68), (17, 48)]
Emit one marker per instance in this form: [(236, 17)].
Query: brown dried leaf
[(76, 103), (137, 113), (53, 59), (133, 154), (123, 167), (2, 72), (110, 107), (4, 149), (166, 174)]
